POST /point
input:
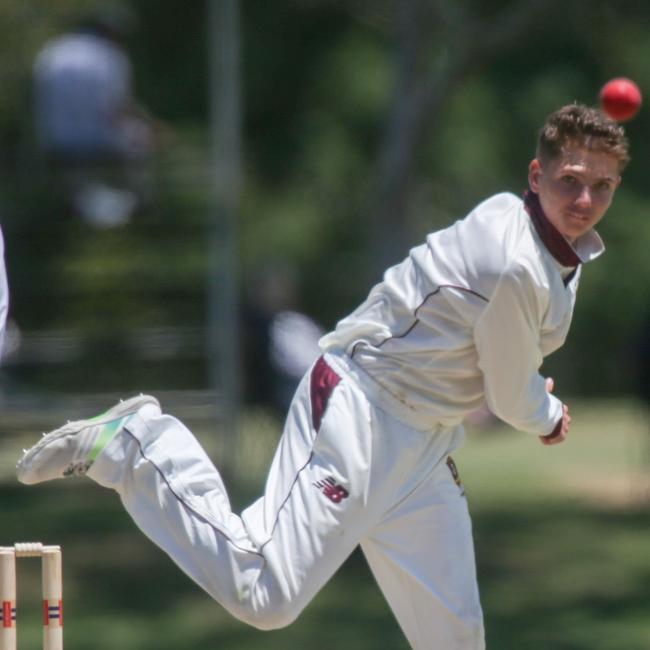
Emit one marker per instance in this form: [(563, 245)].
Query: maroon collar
[(554, 241)]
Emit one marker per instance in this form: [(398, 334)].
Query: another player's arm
[(507, 338), (4, 294)]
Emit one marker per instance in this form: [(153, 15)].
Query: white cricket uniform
[(364, 457), (4, 295)]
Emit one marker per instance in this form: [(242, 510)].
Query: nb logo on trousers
[(332, 490)]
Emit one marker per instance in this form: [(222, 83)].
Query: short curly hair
[(577, 124)]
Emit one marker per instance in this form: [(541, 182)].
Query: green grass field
[(562, 536)]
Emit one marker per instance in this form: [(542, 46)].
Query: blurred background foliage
[(365, 126)]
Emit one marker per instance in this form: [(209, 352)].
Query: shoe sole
[(120, 410)]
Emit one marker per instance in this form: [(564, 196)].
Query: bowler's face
[(575, 189)]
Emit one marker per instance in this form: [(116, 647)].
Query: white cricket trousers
[(345, 473)]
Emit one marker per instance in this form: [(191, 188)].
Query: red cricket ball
[(620, 98)]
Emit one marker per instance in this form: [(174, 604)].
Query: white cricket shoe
[(73, 448)]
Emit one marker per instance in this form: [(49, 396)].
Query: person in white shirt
[(4, 296), (94, 135), (365, 456), (84, 104)]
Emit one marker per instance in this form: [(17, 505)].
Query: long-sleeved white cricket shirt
[(470, 315)]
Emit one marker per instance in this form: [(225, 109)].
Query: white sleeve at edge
[(507, 340), (4, 295)]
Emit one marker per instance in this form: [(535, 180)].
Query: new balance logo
[(77, 469), (332, 490)]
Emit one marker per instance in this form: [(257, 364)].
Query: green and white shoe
[(73, 448)]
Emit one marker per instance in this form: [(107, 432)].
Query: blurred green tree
[(366, 125)]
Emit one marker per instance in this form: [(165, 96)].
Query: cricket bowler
[(365, 456)]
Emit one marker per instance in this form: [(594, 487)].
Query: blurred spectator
[(280, 342), (88, 124)]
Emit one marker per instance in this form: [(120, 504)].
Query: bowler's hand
[(560, 434)]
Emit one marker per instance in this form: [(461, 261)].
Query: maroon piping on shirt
[(415, 314)]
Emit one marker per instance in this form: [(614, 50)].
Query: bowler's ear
[(534, 172)]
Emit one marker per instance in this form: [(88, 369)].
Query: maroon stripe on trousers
[(323, 382)]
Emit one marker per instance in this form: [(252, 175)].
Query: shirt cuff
[(556, 431)]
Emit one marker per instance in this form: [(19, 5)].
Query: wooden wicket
[(52, 593)]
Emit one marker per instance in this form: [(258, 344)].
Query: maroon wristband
[(556, 431)]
